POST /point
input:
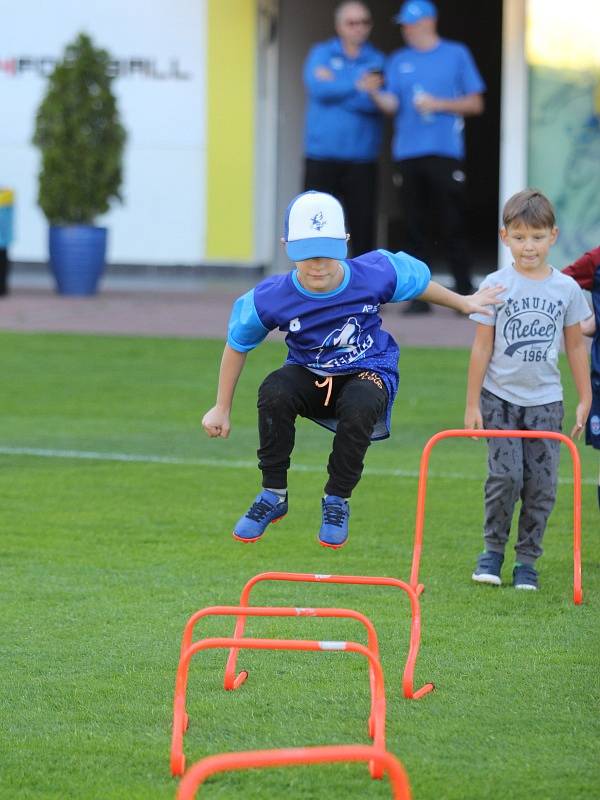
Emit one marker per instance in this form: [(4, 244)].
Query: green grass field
[(102, 560)]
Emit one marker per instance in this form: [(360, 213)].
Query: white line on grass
[(92, 455)]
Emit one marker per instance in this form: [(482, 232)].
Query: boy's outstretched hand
[(216, 423), (477, 303)]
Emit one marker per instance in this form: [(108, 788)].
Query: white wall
[(163, 215)]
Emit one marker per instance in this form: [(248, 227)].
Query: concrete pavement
[(186, 308)]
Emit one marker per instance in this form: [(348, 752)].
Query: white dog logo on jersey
[(343, 345), (347, 336)]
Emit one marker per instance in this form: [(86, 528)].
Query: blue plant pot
[(77, 257)]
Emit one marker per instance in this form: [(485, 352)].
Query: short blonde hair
[(529, 207)]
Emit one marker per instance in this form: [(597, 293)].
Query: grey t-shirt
[(529, 324)]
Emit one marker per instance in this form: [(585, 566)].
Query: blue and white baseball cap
[(414, 11), (314, 227)]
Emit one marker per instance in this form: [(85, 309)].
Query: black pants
[(356, 401), (435, 187), (3, 271), (355, 186)]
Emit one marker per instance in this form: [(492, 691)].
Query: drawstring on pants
[(327, 381)]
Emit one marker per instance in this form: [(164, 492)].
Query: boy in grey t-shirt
[(514, 384)]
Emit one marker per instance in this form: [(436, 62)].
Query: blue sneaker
[(525, 577), (488, 568), (334, 527), (267, 507)]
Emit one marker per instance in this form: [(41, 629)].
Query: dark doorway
[(477, 24)]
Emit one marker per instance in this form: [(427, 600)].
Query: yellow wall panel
[(231, 67)]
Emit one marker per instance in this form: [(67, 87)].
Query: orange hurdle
[(225, 762), (180, 717), (274, 611), (233, 682), (497, 434)]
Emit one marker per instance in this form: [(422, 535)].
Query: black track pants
[(436, 186), (356, 401)]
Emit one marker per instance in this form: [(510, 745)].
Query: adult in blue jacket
[(431, 85), (343, 126), (6, 229)]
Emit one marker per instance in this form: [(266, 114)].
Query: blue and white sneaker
[(267, 507), (334, 527), (488, 568), (525, 577)]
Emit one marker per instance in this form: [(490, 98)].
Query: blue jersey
[(586, 271), (596, 341), (342, 122), (448, 71), (338, 332), (592, 433)]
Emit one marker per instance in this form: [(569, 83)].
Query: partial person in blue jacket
[(341, 369), (6, 234), (343, 126), (432, 84)]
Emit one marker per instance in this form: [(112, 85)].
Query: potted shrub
[(81, 140)]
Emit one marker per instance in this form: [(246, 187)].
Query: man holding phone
[(343, 126)]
